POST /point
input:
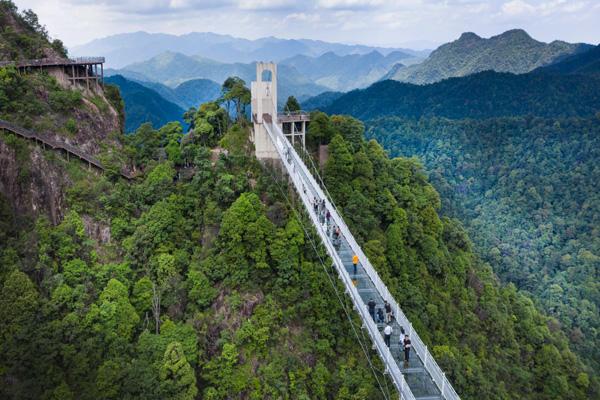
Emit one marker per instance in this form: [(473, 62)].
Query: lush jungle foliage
[(527, 191), (489, 338), (207, 287)]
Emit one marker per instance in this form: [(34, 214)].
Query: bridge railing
[(302, 179), (419, 347)]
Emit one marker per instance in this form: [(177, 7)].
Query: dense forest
[(199, 277), (482, 95), (527, 191)]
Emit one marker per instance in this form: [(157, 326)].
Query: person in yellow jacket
[(355, 263)]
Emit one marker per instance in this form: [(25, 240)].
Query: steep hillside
[(172, 69), (512, 51), (320, 101), (89, 120), (22, 37), (144, 105), (482, 95), (343, 73), (123, 49), (584, 63)]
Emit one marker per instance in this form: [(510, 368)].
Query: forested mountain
[(172, 69), (197, 279), (320, 101), (512, 51), (188, 94), (144, 105), (22, 37), (123, 49), (527, 191), (481, 95), (584, 63), (343, 73)]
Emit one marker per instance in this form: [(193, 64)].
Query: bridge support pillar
[(264, 109)]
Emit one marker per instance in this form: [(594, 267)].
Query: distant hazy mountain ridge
[(124, 49), (512, 51), (347, 72), (173, 69)]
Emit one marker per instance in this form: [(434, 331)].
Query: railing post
[(443, 383), (426, 358)]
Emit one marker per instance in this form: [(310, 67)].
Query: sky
[(392, 23)]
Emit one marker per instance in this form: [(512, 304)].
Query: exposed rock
[(97, 230), (32, 184)]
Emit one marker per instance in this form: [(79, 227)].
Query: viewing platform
[(87, 70)]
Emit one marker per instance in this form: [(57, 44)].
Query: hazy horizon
[(417, 24)]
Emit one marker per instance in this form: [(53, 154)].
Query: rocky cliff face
[(33, 184)]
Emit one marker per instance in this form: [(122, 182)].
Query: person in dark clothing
[(372, 305), (388, 311), (407, 346), (380, 316)]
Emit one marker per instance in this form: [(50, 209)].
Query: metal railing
[(56, 145), (286, 151), (44, 62)]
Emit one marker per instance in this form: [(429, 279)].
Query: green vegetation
[(291, 105), (203, 290), (22, 36), (526, 189), (483, 95), (141, 105), (512, 51)]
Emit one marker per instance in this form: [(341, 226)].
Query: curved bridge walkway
[(422, 379), (56, 145)]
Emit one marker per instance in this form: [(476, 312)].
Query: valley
[(180, 219)]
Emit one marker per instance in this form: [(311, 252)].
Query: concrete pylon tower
[(264, 109)]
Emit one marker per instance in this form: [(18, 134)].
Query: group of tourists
[(326, 220), (378, 317)]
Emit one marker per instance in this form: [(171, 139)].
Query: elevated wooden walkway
[(68, 149)]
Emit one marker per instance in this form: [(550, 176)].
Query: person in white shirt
[(387, 334)]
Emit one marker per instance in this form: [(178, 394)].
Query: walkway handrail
[(429, 363), (41, 62), (438, 376), (291, 160), (27, 134)]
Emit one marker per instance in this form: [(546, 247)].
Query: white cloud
[(349, 4), (378, 22), (517, 7)]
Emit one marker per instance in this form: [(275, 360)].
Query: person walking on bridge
[(407, 346), (387, 335), (372, 305), (355, 263), (388, 312)]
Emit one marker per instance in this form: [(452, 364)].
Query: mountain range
[(126, 48), (543, 92), (343, 73), (512, 51), (144, 105), (172, 69)]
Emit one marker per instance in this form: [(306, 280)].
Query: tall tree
[(177, 378)]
